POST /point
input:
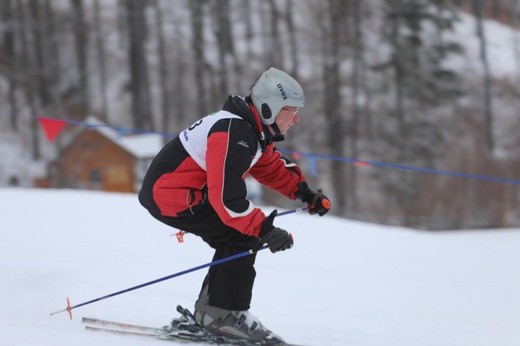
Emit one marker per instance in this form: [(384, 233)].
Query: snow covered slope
[(344, 283)]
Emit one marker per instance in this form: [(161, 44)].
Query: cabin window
[(95, 179), (95, 176)]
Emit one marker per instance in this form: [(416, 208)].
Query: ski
[(182, 330), (157, 333), (188, 338), (118, 331), (165, 333), (98, 323)]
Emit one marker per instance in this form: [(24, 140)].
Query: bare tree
[(80, 29), (357, 69), (163, 67), (52, 59), (245, 14), (197, 45), (275, 51), (38, 35), (514, 13), (28, 77), (488, 100), (100, 48), (122, 23), (139, 82), (332, 99), (291, 30), (8, 19), (177, 84), (225, 47)]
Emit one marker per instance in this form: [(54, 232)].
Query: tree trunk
[(514, 12), (357, 47), (291, 30), (100, 48), (488, 105), (28, 79), (197, 45), (245, 13), (139, 83), (122, 23), (8, 19), (81, 44), (178, 83), (398, 75), (52, 57), (332, 100), (163, 68), (496, 9), (276, 51), (41, 73), (222, 31)]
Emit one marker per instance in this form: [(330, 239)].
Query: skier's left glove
[(317, 202), (276, 238)]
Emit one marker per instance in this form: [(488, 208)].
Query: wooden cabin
[(101, 158)]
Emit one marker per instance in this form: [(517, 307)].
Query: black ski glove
[(276, 238), (316, 201)]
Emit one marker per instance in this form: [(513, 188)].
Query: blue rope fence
[(312, 157)]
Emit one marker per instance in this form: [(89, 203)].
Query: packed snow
[(343, 283)]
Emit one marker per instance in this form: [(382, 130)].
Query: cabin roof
[(140, 146)]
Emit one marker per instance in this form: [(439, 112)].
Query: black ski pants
[(230, 284)]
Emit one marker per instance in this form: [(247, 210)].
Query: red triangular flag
[(51, 127)]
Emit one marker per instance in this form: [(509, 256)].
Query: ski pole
[(297, 210), (180, 234), (69, 308)]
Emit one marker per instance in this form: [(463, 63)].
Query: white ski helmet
[(272, 91)]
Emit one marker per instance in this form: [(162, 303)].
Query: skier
[(196, 184)]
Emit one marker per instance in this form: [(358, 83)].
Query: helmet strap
[(278, 137), (258, 123)]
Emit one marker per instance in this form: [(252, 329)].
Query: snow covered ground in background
[(344, 283)]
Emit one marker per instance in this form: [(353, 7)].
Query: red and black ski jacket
[(211, 159)]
